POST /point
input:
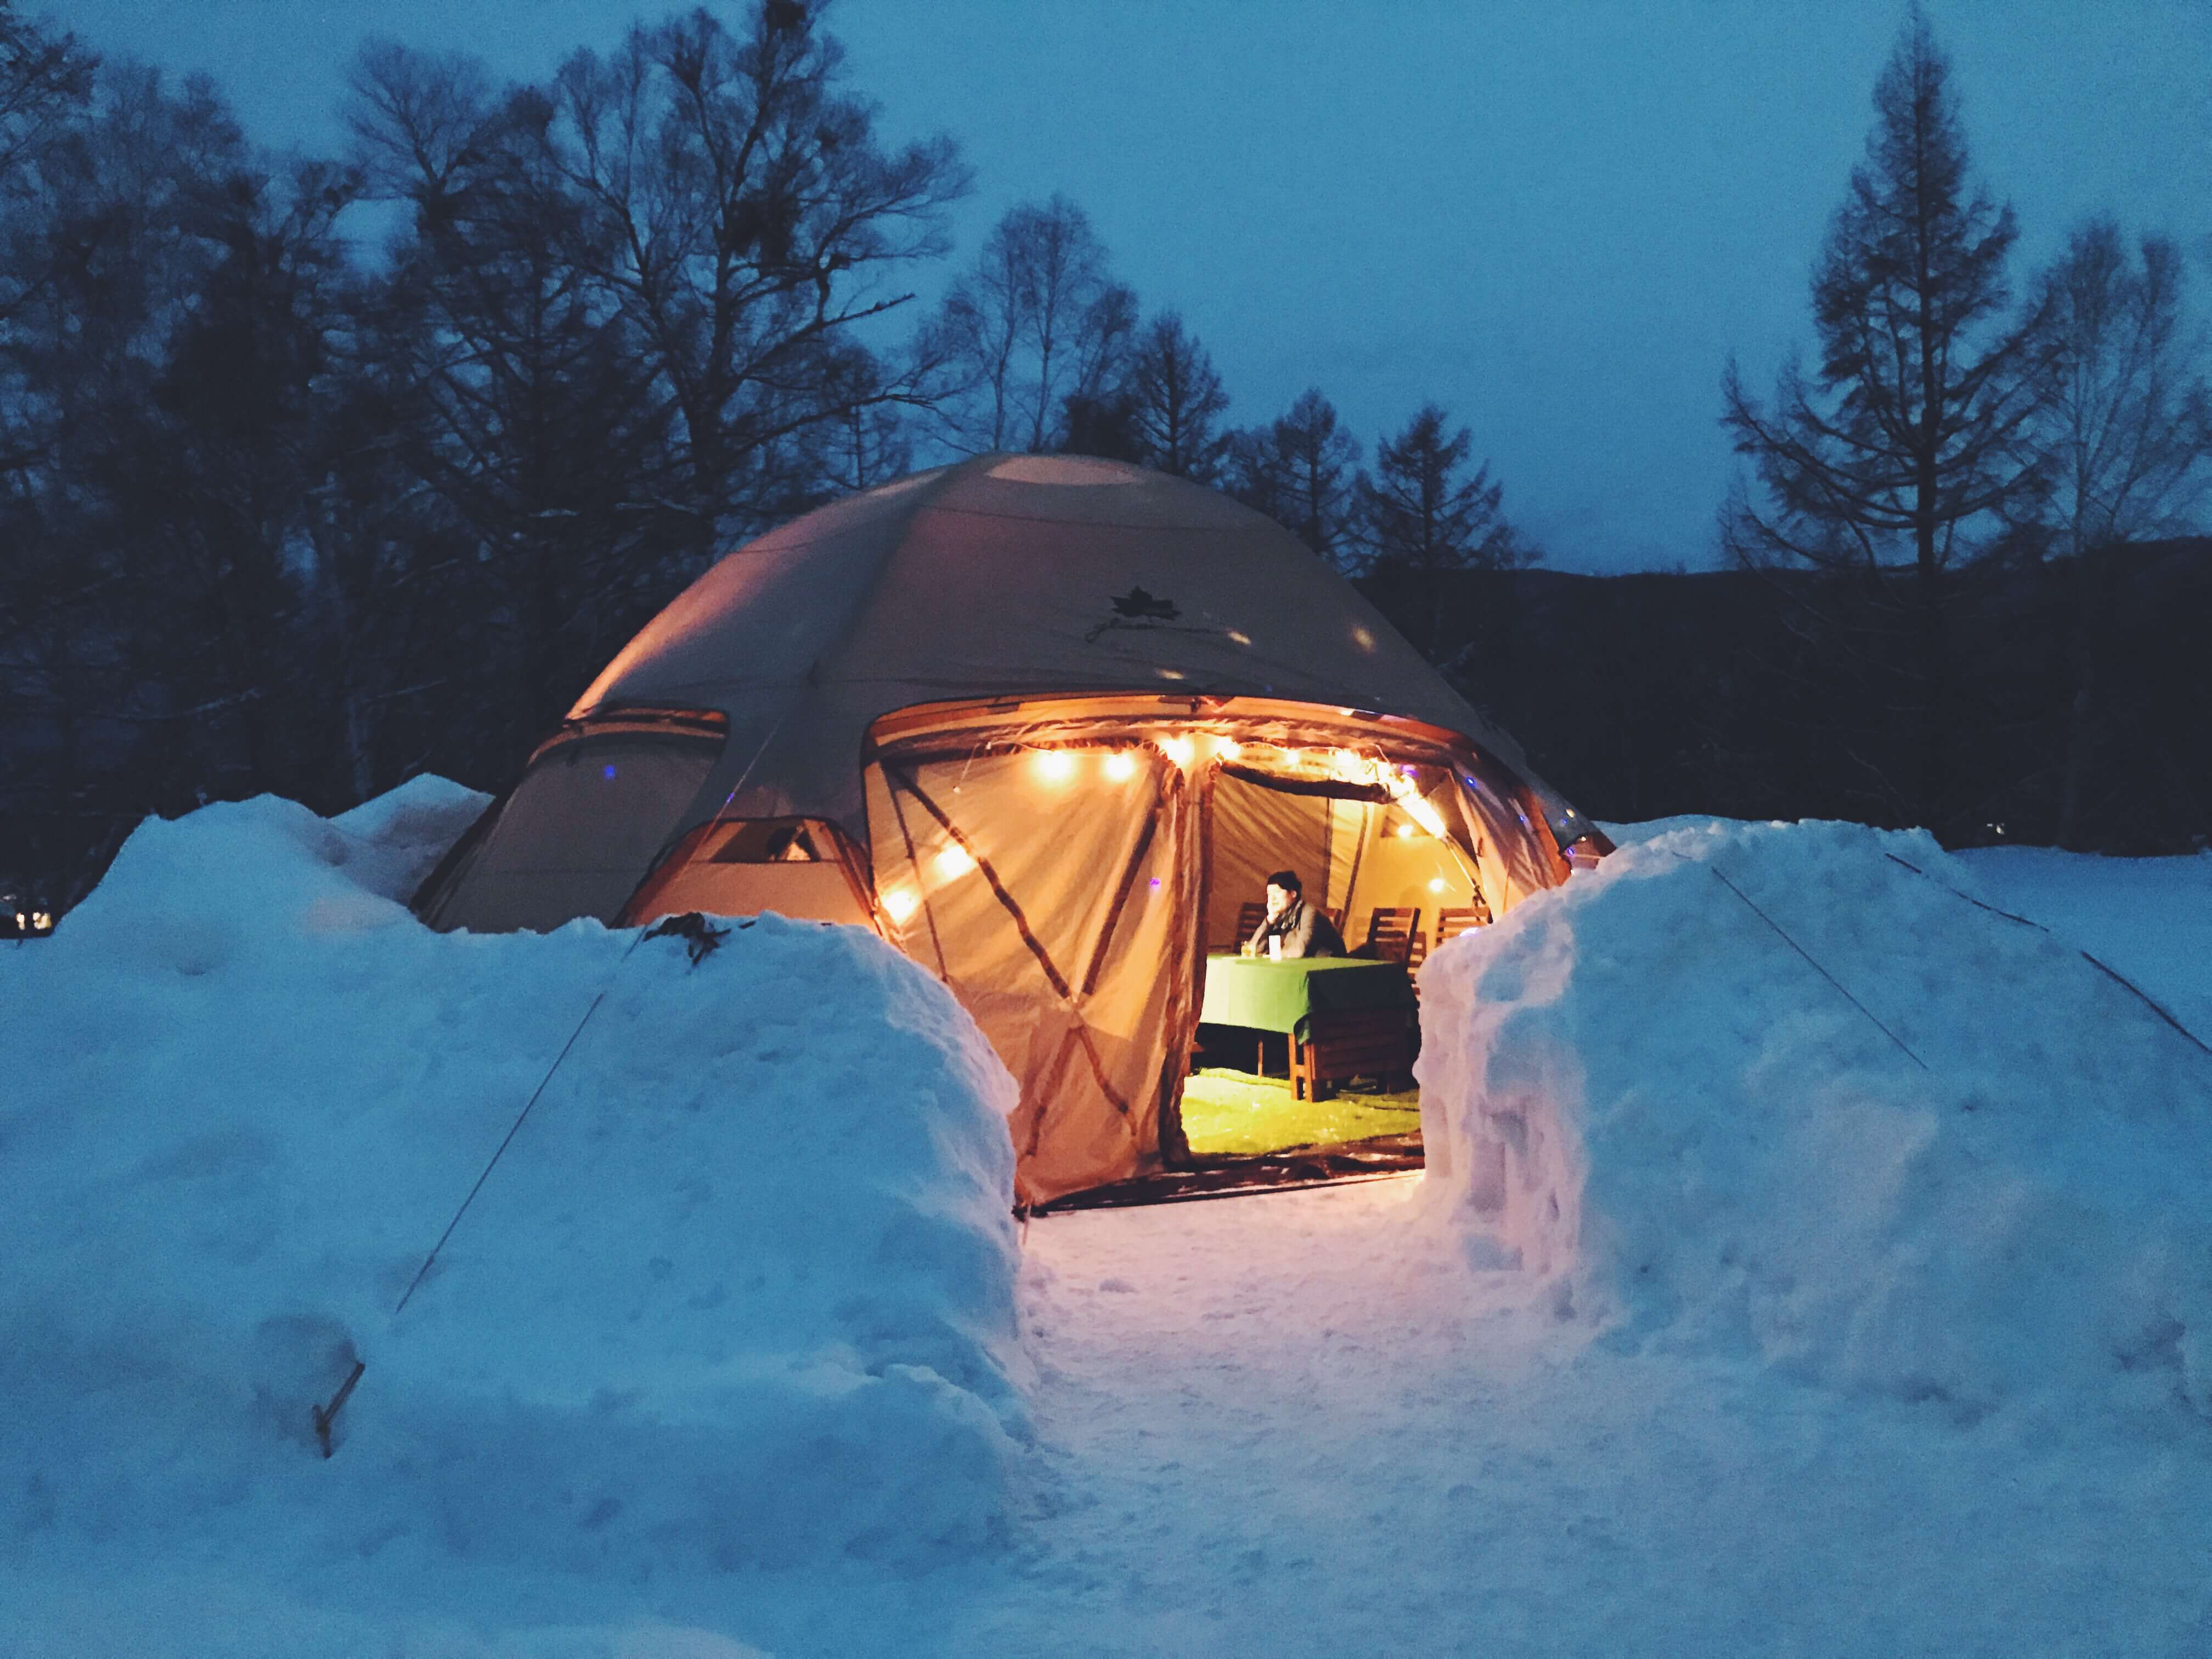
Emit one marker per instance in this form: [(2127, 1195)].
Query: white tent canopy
[(1039, 720)]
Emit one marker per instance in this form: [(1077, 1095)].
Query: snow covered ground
[(1318, 1423), (2151, 919), (740, 1294), (1788, 1090)]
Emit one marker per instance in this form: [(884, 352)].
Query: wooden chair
[(1248, 918), (1391, 931), (1451, 923), (1377, 1043)]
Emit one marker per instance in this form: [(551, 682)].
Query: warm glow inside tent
[(1045, 723)]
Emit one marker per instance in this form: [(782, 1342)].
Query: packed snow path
[(1293, 1424), (1281, 1424)]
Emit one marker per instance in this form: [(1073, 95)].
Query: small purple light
[(1156, 884), (607, 771)]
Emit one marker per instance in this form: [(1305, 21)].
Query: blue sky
[(1558, 219)]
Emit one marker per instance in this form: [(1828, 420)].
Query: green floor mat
[(1226, 1111)]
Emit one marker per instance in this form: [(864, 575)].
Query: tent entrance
[(1374, 847), (1052, 889), (1066, 869)]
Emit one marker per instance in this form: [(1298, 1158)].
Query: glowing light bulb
[(954, 860), (1229, 749), (1055, 765), (1404, 832), (1179, 750), (1294, 757), (1120, 766), (901, 902), (1435, 883)]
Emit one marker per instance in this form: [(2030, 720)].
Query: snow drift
[(1934, 1153), (740, 1291)]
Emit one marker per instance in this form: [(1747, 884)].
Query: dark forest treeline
[(284, 508), (1648, 696)]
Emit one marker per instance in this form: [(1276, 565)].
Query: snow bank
[(740, 1291), (1988, 1180)]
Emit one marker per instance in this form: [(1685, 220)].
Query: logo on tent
[(1137, 609)]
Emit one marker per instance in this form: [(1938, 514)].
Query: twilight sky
[(1557, 218)]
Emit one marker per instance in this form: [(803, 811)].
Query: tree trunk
[(2096, 580)]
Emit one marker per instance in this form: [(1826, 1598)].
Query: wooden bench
[(1377, 1043)]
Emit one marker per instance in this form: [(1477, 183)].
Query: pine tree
[(1897, 457), (1423, 515), (1176, 401), (1299, 470), (1420, 510)]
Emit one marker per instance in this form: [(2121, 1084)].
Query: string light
[(1054, 765), (1435, 883), (899, 903), (1405, 832), (954, 860), (1179, 750), (1229, 749), (1427, 817), (1120, 766)]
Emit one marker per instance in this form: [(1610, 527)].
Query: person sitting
[(1303, 931)]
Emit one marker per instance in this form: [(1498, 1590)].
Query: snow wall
[(740, 1291), (1637, 1089)]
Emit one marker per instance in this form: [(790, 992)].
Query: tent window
[(746, 867), (594, 807), (771, 840)]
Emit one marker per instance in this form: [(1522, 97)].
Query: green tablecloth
[(1276, 996)]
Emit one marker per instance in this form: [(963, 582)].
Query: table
[(1282, 996)]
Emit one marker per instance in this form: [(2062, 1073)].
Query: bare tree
[(1035, 325), (520, 390), (747, 218), (45, 79), (1299, 470), (2126, 425), (1899, 455), (45, 82)]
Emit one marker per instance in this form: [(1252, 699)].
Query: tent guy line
[(2101, 966), (1816, 967), (515, 1127)]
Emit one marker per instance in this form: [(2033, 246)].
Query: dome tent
[(1042, 722)]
